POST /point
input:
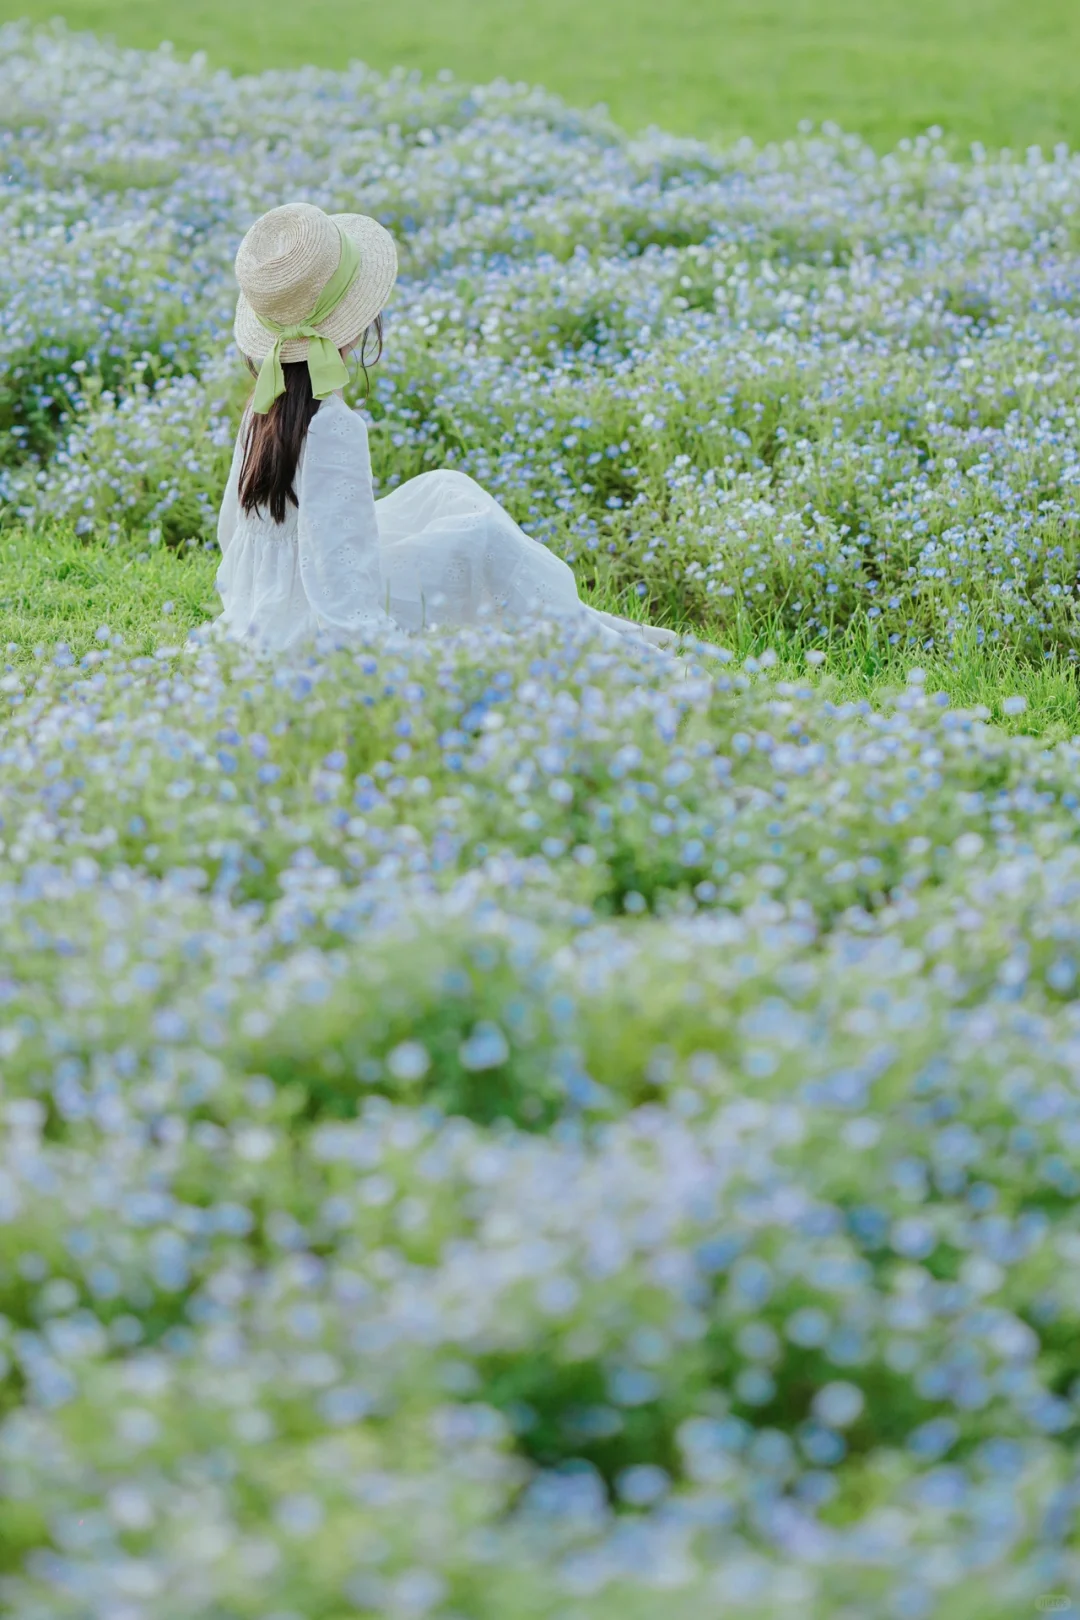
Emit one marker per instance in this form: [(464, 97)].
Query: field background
[(998, 71), (489, 1126), (993, 71)]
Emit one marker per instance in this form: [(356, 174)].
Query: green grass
[(999, 71), (55, 588)]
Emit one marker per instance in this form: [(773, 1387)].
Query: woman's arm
[(338, 529)]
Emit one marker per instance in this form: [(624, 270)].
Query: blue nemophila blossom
[(804, 386), (488, 1126), (426, 1193)]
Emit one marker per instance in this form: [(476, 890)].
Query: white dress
[(436, 551)]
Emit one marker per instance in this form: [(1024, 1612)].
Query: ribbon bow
[(326, 368)]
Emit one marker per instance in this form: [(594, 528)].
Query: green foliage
[(886, 68), (56, 588), (497, 1127), (374, 1144)]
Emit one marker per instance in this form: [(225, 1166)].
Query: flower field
[(493, 1129)]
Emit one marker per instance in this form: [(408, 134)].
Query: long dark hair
[(274, 441)]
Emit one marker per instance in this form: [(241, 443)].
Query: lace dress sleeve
[(229, 510), (338, 531)]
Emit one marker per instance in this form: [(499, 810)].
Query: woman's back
[(437, 550), (319, 568)]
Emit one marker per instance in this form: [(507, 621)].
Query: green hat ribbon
[(326, 368)]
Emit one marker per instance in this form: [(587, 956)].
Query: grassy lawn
[(56, 590), (990, 70)]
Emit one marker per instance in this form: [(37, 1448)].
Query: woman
[(305, 545)]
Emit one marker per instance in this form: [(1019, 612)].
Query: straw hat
[(285, 261)]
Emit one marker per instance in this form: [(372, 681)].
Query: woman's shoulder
[(336, 419)]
